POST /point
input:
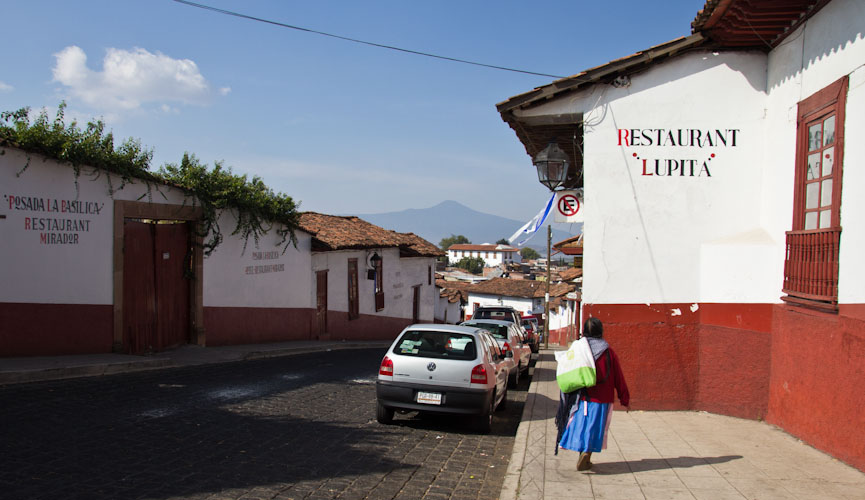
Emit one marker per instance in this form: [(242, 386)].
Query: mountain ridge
[(453, 218)]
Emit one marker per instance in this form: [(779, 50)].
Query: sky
[(341, 127)]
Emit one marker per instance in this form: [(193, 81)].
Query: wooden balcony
[(811, 264)]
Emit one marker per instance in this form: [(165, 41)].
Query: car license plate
[(430, 398)]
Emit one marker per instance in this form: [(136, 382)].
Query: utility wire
[(283, 25)]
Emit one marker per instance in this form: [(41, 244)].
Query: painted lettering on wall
[(264, 269), (270, 268), (695, 161), (60, 228)]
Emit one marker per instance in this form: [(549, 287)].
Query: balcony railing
[(811, 264)]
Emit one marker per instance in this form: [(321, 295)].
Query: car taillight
[(386, 367), (479, 375), (506, 347)]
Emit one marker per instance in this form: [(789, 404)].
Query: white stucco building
[(725, 211), (88, 270), (493, 255)]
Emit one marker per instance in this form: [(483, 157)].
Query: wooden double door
[(156, 287)]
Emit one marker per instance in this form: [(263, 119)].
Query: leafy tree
[(503, 241), (453, 239), (528, 253), (255, 206), (474, 265)]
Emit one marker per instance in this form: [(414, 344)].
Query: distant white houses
[(493, 255)]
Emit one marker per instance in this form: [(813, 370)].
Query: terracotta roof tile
[(333, 232), (570, 274), (519, 288)]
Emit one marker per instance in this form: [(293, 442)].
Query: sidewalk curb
[(511, 483), (191, 356), (94, 370)]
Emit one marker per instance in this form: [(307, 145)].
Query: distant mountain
[(450, 217)]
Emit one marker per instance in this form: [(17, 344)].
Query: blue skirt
[(587, 427)]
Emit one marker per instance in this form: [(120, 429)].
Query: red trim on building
[(817, 380), (256, 325), (28, 329), (796, 368)]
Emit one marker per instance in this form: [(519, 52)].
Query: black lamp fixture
[(552, 165), (374, 260)]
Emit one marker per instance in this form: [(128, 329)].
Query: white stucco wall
[(79, 272), (400, 275), (447, 312), (491, 258), (827, 47), (563, 316), (522, 305), (719, 237), (260, 276), (663, 238)]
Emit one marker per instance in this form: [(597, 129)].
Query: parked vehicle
[(449, 369), (511, 341), (508, 313), (530, 325)]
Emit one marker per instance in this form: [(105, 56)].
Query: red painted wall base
[(799, 369), (55, 329), (255, 325)]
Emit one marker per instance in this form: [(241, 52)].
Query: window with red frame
[(811, 262)]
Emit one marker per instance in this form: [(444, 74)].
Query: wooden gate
[(321, 302), (155, 291)]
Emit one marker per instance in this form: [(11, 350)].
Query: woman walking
[(584, 415)]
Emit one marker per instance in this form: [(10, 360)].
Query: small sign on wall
[(568, 206)]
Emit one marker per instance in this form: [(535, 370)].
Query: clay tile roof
[(570, 274), (752, 24), (519, 288), (333, 232), (454, 291)]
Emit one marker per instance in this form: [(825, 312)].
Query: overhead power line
[(373, 44)]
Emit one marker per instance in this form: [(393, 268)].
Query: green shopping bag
[(575, 368)]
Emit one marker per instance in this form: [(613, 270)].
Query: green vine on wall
[(256, 207)]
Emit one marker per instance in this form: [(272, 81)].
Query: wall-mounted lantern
[(552, 166)]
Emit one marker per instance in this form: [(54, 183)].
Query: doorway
[(157, 258)]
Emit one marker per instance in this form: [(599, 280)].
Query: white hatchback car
[(511, 341), (443, 369)]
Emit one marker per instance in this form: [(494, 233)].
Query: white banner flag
[(569, 206), (531, 227)]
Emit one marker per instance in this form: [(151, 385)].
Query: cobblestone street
[(294, 427)]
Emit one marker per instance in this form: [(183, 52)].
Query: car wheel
[(515, 378), (483, 423), (504, 403), (383, 414), (536, 348)]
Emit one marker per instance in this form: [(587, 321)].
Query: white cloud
[(131, 79), (5, 87)]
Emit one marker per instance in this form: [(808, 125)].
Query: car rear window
[(498, 331), (441, 345), (499, 315)]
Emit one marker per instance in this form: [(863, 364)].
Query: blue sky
[(341, 127)]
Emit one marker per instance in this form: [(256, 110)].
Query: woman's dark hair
[(593, 328)]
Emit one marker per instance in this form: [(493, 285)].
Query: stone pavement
[(669, 455)]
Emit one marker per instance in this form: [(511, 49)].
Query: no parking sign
[(569, 206)]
